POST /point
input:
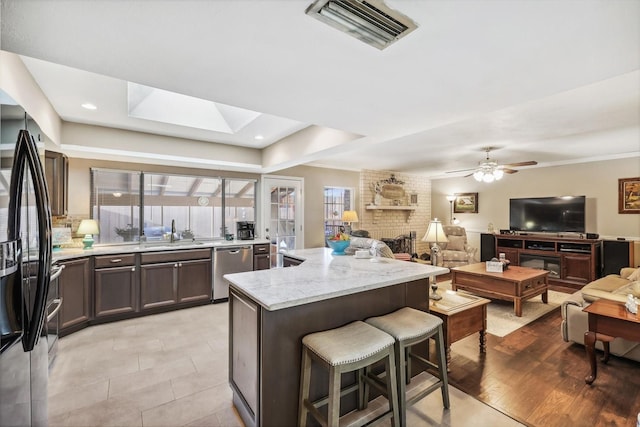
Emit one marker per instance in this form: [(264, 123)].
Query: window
[(336, 201), (201, 207)]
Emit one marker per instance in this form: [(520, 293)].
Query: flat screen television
[(548, 214)]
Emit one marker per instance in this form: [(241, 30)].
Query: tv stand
[(571, 262)]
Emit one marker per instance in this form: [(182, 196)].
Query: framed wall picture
[(465, 203), (629, 195)]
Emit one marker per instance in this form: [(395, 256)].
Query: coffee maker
[(245, 230)]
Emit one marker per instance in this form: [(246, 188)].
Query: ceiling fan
[(489, 170)]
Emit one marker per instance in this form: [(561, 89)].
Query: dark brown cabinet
[(115, 285), (571, 262), (290, 261), (158, 285), (261, 257), (75, 291), (194, 280), (170, 278), (576, 268), (57, 176)]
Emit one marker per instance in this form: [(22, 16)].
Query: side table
[(462, 315), (608, 320)]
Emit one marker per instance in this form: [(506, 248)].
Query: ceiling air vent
[(373, 22)]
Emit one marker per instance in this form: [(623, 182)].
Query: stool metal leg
[(305, 383), (442, 367)]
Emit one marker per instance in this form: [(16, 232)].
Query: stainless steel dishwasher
[(226, 260)]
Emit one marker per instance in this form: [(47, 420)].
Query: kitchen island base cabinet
[(266, 346)]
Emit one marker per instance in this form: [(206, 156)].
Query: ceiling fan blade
[(467, 176), (509, 170), (462, 170), (529, 163)]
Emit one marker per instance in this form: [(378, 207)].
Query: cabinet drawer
[(105, 261), (261, 249), (169, 256)]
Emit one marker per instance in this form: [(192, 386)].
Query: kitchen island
[(271, 310)]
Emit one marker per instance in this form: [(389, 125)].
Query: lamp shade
[(349, 216), (435, 232), (89, 226)]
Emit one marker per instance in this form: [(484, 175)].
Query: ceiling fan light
[(488, 177), (477, 175), (498, 174)]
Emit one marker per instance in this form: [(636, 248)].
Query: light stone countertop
[(323, 276), (71, 253)]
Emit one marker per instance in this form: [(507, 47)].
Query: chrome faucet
[(173, 231)]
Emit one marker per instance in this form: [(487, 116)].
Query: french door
[(282, 211)]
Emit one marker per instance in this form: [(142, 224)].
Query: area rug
[(501, 320)]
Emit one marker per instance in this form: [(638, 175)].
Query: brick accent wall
[(392, 223)]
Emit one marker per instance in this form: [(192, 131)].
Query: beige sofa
[(614, 287)]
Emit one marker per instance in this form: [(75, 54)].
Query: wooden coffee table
[(462, 315), (608, 320), (515, 284)]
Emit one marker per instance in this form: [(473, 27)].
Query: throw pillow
[(634, 276), (632, 288), (456, 243)]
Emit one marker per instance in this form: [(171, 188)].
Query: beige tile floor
[(171, 369)]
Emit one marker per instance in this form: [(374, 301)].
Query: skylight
[(149, 103)]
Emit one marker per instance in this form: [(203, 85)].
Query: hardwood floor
[(535, 377)]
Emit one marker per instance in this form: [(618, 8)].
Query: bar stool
[(409, 327), (353, 347)]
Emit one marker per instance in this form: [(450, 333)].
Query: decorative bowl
[(338, 246)]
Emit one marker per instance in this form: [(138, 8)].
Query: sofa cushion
[(603, 288), (456, 243), (359, 243), (634, 276), (632, 288)]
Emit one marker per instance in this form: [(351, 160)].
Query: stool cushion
[(406, 323), (347, 344)]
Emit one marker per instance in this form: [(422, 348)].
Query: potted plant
[(128, 233)]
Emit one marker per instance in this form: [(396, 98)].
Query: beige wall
[(315, 179), (87, 141), (598, 181)]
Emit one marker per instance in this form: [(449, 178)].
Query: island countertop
[(323, 276)]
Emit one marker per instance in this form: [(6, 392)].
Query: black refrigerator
[(25, 262)]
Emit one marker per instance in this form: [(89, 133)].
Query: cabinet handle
[(179, 264), (56, 272), (133, 269), (113, 261), (58, 302)]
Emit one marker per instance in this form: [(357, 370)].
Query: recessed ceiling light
[(259, 137), (89, 106)]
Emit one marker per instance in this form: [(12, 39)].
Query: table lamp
[(88, 227), (349, 217), (435, 234)]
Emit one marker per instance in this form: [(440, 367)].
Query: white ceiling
[(552, 81)]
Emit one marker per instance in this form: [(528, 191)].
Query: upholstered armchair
[(457, 251)]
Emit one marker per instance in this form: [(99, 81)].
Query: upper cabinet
[(57, 171)]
